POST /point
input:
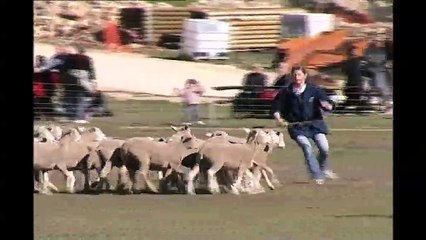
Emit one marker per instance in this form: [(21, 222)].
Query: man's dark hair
[(350, 50), (298, 67)]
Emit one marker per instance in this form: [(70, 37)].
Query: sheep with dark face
[(251, 182), (139, 155), (221, 153)]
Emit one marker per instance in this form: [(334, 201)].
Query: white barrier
[(205, 39), (306, 24)]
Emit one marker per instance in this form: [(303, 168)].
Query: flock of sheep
[(226, 163)]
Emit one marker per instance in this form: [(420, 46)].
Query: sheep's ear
[(185, 127), (247, 130), (209, 134), (252, 136), (174, 128)]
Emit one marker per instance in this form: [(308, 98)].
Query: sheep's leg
[(237, 183), (258, 188), (181, 171), (70, 178), (269, 170), (103, 174), (132, 182), (190, 189), (181, 182), (44, 186), (212, 180), (98, 178), (87, 182), (257, 174), (270, 185), (144, 173), (248, 182), (36, 187), (86, 171), (38, 181), (256, 177), (99, 181), (168, 172), (201, 179), (122, 174), (227, 177), (105, 170), (149, 184), (160, 175), (70, 182), (274, 179), (166, 179), (50, 185)]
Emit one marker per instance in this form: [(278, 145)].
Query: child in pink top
[(191, 99)]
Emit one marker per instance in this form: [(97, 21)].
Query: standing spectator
[(253, 87), (82, 74), (98, 106), (111, 34), (354, 84), (191, 99), (303, 105), (375, 54)]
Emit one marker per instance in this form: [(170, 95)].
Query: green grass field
[(357, 206)]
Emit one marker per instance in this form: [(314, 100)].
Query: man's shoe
[(330, 174)]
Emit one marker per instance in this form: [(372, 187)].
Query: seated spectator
[(255, 80), (38, 94), (98, 106), (280, 56), (43, 89)]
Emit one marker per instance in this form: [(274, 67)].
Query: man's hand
[(176, 91), (326, 105), (280, 122)]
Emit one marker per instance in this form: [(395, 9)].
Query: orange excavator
[(324, 50)]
